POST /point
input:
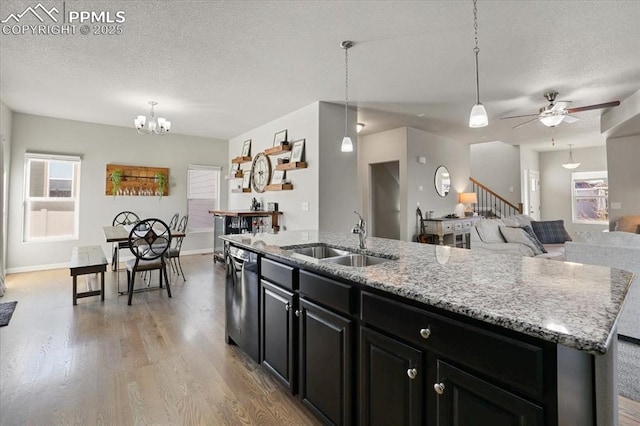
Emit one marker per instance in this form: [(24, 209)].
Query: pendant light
[(347, 145), (570, 164), (478, 116)]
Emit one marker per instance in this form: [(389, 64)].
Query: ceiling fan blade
[(560, 105), (526, 122), (590, 107), (519, 116), (570, 119)]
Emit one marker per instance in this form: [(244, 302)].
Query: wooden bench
[(87, 260)]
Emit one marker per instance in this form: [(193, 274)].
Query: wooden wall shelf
[(241, 160), (292, 166), (136, 180), (240, 190), (282, 149), (239, 174), (279, 187)]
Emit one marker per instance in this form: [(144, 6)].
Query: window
[(590, 197), (51, 197), (203, 195)]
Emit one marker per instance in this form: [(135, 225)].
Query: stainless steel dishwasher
[(241, 301)]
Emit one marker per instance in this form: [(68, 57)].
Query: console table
[(454, 232)]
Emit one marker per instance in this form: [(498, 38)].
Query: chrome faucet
[(361, 230)]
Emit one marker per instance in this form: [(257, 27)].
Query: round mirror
[(442, 181)]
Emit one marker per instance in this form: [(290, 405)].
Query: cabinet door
[(278, 333), (325, 363), (391, 381), (465, 399)]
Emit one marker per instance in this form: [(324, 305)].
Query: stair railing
[(491, 204)]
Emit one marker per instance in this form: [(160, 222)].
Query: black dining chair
[(149, 241), (173, 223), (174, 252), (121, 219)]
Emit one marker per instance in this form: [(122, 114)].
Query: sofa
[(617, 249), (487, 235)]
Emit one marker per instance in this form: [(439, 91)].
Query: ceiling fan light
[(552, 120), (478, 116), (347, 145), (571, 166)]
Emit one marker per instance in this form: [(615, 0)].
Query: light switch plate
[(616, 206), (305, 206)]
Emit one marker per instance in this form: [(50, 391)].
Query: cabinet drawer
[(516, 363), (467, 224), (447, 227), (327, 292), (278, 273), (457, 226)]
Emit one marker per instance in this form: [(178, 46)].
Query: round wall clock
[(261, 171)]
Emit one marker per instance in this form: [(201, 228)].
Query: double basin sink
[(327, 254)]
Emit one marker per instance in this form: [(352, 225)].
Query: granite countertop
[(571, 304)]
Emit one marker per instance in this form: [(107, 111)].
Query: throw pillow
[(533, 237), (519, 235), (489, 230), (551, 231)]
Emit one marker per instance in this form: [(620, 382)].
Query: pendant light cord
[(346, 88), (476, 50)]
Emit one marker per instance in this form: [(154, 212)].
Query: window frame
[(28, 199), (581, 176), (216, 169)]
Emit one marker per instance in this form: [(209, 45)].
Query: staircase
[(490, 204)]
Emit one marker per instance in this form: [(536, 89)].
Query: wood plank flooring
[(160, 361)]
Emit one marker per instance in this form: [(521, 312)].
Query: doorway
[(531, 202), (385, 200)]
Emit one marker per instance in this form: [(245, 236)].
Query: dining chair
[(174, 221), (149, 241), (173, 254), (122, 218)]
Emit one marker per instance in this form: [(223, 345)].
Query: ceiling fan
[(555, 113)]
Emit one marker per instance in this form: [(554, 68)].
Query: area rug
[(629, 369), (6, 311)]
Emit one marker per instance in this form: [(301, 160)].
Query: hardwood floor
[(160, 361)]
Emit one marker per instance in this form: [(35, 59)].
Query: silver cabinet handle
[(425, 333), (439, 388), (412, 373), (287, 306), (297, 312)]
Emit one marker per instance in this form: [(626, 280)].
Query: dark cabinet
[(325, 363), (392, 378), (465, 399), (278, 333)]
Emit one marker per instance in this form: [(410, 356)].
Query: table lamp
[(468, 198)]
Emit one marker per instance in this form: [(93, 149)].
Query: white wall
[(497, 166), (439, 151), (300, 124), (555, 184), (623, 158), (6, 116), (99, 145)]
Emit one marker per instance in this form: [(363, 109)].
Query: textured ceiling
[(219, 69)]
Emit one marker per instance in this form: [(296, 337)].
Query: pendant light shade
[(570, 164), (347, 144), (478, 116)]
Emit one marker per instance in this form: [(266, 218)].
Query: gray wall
[(555, 184), (385, 200), (623, 158), (6, 117), (99, 145), (338, 170), (497, 166)]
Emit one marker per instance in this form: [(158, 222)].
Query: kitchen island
[(502, 337)]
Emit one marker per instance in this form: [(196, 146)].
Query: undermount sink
[(320, 251), (325, 254), (358, 260)]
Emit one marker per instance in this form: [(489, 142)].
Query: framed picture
[(281, 136), (297, 151), (246, 180), (277, 177), (246, 148)]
